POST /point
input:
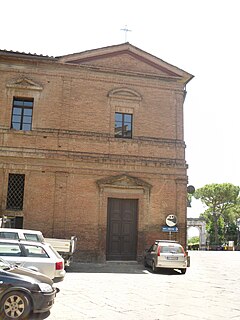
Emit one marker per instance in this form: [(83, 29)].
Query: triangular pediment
[(24, 83), (124, 181), (126, 58)]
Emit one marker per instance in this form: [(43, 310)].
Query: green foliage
[(223, 204), (193, 243), (218, 197), (231, 232), (211, 230), (193, 240)]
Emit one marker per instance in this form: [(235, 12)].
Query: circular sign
[(171, 220), (190, 189)]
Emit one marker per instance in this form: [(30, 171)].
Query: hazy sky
[(198, 36)]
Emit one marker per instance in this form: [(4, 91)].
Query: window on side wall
[(15, 191), (123, 125), (22, 114)]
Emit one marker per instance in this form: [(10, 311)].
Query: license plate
[(172, 258)]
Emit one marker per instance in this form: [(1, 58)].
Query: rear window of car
[(55, 252), (31, 237), (9, 235), (171, 249), (10, 250), (35, 251)]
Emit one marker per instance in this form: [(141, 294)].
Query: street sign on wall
[(169, 229)]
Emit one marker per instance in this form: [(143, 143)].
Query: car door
[(11, 252)]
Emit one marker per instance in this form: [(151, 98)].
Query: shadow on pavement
[(39, 316), (116, 267), (165, 271)]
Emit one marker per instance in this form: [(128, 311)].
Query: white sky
[(198, 36)]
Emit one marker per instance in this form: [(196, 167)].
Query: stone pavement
[(210, 290)]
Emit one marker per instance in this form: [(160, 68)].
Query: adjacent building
[(92, 145)]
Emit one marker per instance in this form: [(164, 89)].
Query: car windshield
[(4, 265), (171, 249)]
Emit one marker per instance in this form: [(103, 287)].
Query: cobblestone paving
[(210, 290)]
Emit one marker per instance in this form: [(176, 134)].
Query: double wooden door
[(122, 229)]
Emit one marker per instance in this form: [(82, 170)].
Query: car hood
[(27, 275)]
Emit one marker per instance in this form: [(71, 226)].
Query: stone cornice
[(94, 136), (56, 155)]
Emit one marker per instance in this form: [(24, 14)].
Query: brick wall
[(72, 146)]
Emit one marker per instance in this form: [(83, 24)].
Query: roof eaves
[(25, 55), (93, 50)]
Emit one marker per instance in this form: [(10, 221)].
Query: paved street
[(209, 290)]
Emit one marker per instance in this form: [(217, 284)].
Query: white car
[(36, 256), (24, 234), (65, 247), (166, 254)]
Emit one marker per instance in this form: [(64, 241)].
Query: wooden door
[(122, 229)]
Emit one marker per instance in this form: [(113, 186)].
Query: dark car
[(23, 291)]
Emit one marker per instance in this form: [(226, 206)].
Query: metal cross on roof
[(126, 30)]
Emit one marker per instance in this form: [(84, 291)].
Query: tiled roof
[(22, 54)]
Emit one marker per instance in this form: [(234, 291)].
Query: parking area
[(209, 290)]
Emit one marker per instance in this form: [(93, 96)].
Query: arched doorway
[(201, 225)]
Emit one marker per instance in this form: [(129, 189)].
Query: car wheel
[(183, 271), (15, 305), (154, 269)]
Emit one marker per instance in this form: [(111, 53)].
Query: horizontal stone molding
[(91, 157), (94, 136)]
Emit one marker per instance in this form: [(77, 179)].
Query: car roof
[(167, 241), (20, 230), (24, 242)]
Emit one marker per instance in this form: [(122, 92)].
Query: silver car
[(34, 255), (166, 254)]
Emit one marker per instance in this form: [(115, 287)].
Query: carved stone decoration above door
[(124, 181)]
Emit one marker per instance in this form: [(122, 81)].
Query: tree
[(222, 201)]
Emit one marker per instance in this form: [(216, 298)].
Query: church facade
[(92, 145)]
